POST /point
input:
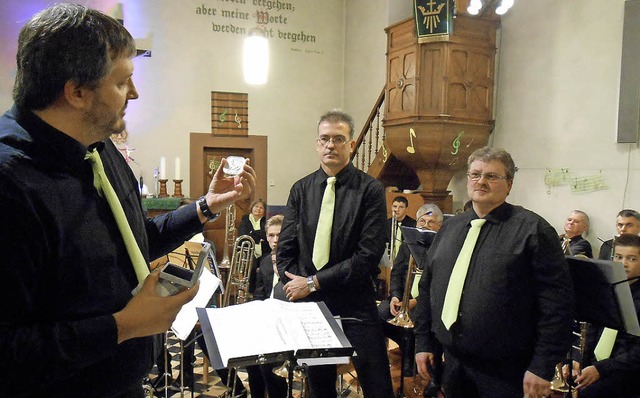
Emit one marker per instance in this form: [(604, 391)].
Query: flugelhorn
[(403, 319), (239, 271)]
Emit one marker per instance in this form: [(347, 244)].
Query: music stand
[(419, 241), (603, 293)]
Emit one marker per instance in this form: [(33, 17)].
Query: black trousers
[(463, 381), (621, 385), (371, 363)]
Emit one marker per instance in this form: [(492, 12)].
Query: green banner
[(433, 18)]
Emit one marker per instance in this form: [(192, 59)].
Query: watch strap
[(204, 208)]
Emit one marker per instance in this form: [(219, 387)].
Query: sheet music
[(282, 326), (187, 317)]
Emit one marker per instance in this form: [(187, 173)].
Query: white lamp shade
[(255, 59)]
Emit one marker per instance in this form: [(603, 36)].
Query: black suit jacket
[(258, 235), (406, 222)]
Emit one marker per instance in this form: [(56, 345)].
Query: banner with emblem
[(433, 18)]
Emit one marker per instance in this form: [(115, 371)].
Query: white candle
[(163, 168), (177, 177)]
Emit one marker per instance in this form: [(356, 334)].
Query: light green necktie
[(104, 188), (322, 243), (398, 239), (458, 275), (605, 344), (257, 251), (414, 286)]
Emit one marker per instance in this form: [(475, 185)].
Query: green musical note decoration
[(456, 143), (588, 183), (563, 176), (223, 115)]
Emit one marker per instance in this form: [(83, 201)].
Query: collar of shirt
[(496, 216), (59, 150), (321, 177)]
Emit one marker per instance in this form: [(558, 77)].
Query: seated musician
[(430, 217), (627, 222), (576, 225), (611, 365), (261, 377)]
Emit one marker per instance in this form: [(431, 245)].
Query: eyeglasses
[(491, 177), (338, 140)]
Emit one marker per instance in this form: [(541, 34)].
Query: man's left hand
[(535, 387), (296, 288), (225, 190)]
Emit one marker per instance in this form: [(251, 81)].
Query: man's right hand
[(148, 313), (394, 306), (424, 360)]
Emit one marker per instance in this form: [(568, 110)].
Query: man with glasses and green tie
[(74, 238), (496, 293), (330, 245)]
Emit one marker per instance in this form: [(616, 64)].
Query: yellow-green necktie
[(322, 243), (398, 240), (605, 344), (104, 188), (257, 251), (458, 275), (414, 286)]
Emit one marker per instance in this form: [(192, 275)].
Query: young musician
[(614, 371)]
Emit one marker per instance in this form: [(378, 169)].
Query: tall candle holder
[(163, 188), (178, 189)]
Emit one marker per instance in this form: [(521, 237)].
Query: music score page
[(270, 326)]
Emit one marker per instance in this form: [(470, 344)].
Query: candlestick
[(177, 175), (178, 189), (163, 188)]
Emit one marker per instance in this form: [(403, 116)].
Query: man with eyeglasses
[(511, 323), (430, 217), (330, 245)]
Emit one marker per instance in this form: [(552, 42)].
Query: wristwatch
[(310, 284), (204, 208)]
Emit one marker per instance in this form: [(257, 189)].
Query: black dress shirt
[(625, 356), (65, 266), (406, 222), (516, 309), (357, 239), (398, 276), (264, 279)]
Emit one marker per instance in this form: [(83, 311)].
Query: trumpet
[(403, 319), (239, 271)]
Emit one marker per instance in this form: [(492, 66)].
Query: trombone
[(239, 271), (403, 319), (393, 242)]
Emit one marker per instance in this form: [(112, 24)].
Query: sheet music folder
[(269, 331), (603, 296), (418, 240)]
